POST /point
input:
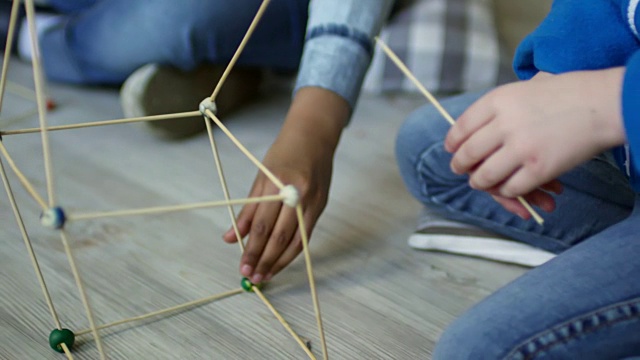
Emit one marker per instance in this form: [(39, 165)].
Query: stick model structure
[(56, 217)]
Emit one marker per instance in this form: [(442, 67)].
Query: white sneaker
[(436, 233), (156, 89)]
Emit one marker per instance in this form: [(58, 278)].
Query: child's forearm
[(603, 88), (317, 117)]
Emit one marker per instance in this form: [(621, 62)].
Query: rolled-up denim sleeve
[(339, 44)]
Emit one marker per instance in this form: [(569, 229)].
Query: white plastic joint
[(291, 196), (207, 104), (53, 218)]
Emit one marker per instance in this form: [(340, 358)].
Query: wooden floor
[(379, 298)]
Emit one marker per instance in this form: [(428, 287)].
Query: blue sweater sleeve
[(631, 115), (578, 35)]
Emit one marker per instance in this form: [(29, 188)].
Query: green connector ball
[(57, 337), (248, 285)]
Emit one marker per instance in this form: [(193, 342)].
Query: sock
[(439, 234)]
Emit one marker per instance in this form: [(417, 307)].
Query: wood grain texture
[(379, 298)]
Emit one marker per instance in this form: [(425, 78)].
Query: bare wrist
[(608, 107), (317, 114)]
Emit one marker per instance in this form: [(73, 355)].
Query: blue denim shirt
[(339, 44)]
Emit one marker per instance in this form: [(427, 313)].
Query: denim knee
[(420, 153), (465, 340)]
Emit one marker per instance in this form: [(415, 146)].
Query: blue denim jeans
[(583, 304), (104, 41)]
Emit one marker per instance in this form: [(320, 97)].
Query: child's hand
[(517, 139), (301, 156), (540, 197)]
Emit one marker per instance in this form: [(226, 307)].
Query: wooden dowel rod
[(38, 80), (244, 150), (442, 111), (223, 183), (243, 43), (283, 322), (20, 90), (103, 123), (23, 179), (66, 350), (173, 208), (165, 311), (8, 48), (83, 294), (28, 244), (312, 283)]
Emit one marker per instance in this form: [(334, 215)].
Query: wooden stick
[(243, 43), (442, 111), (28, 244), (8, 48), (531, 211), (103, 123), (22, 91), (66, 350), (244, 150), (83, 294), (23, 179), (312, 283), (223, 182), (414, 80), (172, 208), (283, 322), (18, 118), (40, 100), (165, 311)]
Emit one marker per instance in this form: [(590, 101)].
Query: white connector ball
[(53, 218), (291, 196), (207, 104)]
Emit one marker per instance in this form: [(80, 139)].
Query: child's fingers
[(476, 116), (262, 226), (541, 199), (243, 220), (553, 186), (476, 149), (537, 198), (512, 206), (494, 170), (521, 182), (278, 242)]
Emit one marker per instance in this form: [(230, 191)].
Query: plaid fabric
[(451, 46)]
